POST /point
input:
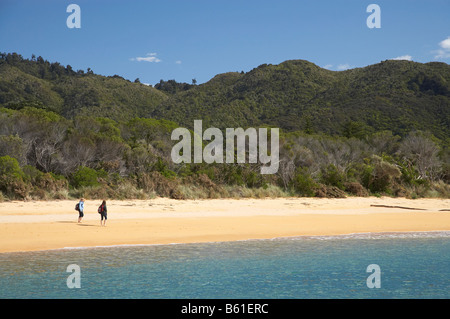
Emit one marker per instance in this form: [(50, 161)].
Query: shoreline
[(370, 235), (40, 226)]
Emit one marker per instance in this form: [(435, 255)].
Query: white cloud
[(150, 57), (406, 57), (342, 67), (444, 51), (339, 67), (178, 62), (445, 44)]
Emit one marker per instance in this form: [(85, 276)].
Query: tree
[(77, 151), (43, 133), (354, 129), (11, 178), (419, 149), (13, 146), (378, 174), (384, 142), (286, 172), (84, 177), (303, 183)]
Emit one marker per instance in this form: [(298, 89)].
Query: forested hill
[(297, 95), (379, 130), (51, 86), (399, 96)]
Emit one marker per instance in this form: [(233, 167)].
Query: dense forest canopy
[(296, 95), (383, 130)]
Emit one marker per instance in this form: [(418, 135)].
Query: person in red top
[(103, 213)]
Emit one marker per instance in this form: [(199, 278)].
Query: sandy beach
[(36, 225)]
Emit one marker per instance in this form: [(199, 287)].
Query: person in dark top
[(103, 213), (80, 210)]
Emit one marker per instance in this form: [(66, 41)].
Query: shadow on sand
[(75, 222)]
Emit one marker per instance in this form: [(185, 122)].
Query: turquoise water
[(412, 266)]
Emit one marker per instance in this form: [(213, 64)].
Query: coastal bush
[(59, 194), (129, 190), (12, 182), (85, 177), (378, 175), (14, 146), (238, 191), (355, 188), (303, 184), (232, 175), (190, 191), (271, 191), (54, 157), (155, 182), (10, 169), (439, 189), (47, 182), (72, 132), (326, 191), (162, 167), (420, 151), (94, 192), (331, 176), (204, 185)]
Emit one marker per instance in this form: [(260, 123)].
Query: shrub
[(303, 183), (271, 191), (356, 189), (331, 176), (59, 194), (86, 176), (190, 191), (157, 183), (378, 175), (440, 189), (9, 168), (12, 178), (329, 192), (161, 166), (128, 190), (14, 146)]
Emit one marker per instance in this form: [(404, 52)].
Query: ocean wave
[(380, 235), (352, 236)]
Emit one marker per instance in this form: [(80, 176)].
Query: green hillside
[(60, 89), (297, 95), (378, 130)]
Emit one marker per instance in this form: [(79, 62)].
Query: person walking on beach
[(81, 210), (103, 213)]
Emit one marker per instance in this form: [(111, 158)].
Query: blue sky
[(183, 40)]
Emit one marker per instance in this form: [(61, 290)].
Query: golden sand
[(42, 225)]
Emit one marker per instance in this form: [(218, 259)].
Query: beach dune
[(43, 225)]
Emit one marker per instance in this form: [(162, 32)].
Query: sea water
[(412, 265)]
